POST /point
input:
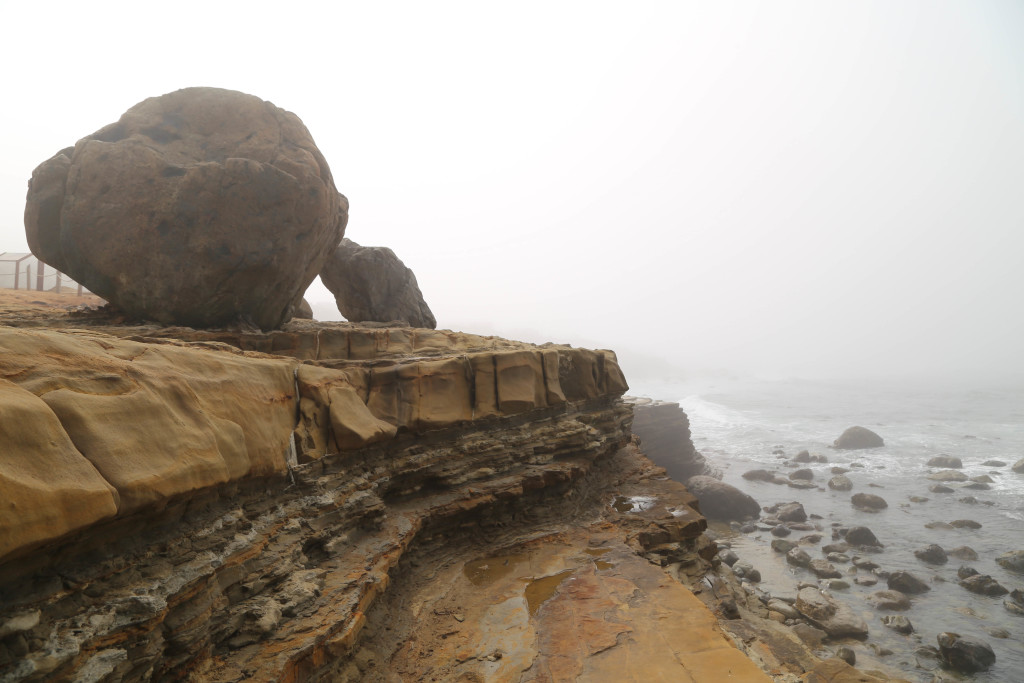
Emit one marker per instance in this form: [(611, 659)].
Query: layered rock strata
[(186, 509), (664, 430)]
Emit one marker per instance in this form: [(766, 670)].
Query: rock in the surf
[(1013, 560), (868, 501), (856, 438), (945, 461), (965, 654), (722, 501)]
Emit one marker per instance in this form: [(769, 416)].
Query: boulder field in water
[(856, 438), (202, 207)]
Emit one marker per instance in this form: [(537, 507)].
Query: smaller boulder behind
[(371, 284)]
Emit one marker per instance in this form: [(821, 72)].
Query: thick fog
[(786, 189)]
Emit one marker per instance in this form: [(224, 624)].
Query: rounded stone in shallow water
[(1015, 602), (835, 584), (890, 600), (964, 552), (798, 558), (993, 463), (898, 623), (965, 654), (781, 531), (905, 582), (862, 536), (947, 475), (840, 483), (940, 488), (865, 580), (868, 501), (965, 524), (1013, 560), (919, 499), (780, 545), (932, 554), (983, 584), (837, 557)]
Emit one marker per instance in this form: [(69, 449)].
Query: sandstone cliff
[(338, 502)]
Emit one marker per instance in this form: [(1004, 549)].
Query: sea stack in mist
[(202, 207), (856, 438), (371, 284)]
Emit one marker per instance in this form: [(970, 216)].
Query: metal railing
[(20, 270)]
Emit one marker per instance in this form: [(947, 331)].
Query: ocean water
[(738, 424)]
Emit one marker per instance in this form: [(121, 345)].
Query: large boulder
[(722, 501), (858, 437), (202, 207), (371, 284)]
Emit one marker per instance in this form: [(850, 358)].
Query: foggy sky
[(800, 188)]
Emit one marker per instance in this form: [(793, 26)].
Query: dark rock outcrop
[(856, 438), (203, 207), (664, 431), (719, 500), (371, 284)]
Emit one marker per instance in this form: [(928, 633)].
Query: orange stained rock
[(632, 622)]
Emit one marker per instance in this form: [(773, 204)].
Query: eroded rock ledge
[(345, 503), (178, 506)]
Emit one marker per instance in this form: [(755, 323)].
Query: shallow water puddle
[(632, 503), (488, 570), (538, 591)]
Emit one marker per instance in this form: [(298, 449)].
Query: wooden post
[(17, 273), (79, 289), (39, 277), (28, 276), (58, 281)]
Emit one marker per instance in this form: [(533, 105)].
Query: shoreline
[(911, 506)]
